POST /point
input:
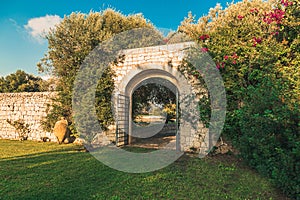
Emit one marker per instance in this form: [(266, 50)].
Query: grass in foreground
[(33, 170)]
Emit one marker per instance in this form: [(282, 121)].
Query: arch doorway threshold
[(158, 141)]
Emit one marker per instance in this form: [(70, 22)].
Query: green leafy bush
[(21, 128), (255, 45)]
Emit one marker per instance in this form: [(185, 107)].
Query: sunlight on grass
[(34, 170), (42, 163)]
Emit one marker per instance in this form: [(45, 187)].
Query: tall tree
[(69, 44)]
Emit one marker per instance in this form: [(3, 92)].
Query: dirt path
[(155, 142)]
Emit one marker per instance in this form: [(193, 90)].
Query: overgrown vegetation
[(255, 45), (38, 170), (21, 128)]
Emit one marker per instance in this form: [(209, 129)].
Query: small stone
[(79, 141)]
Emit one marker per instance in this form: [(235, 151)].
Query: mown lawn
[(36, 170)]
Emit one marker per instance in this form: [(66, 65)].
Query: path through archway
[(154, 113)]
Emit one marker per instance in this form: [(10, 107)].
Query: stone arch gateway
[(139, 65), (160, 63)]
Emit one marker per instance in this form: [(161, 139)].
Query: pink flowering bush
[(274, 16), (255, 45)]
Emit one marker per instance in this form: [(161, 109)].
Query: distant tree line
[(152, 93), (20, 81)]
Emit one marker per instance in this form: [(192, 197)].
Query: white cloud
[(40, 26)]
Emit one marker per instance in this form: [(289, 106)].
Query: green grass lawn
[(36, 170)]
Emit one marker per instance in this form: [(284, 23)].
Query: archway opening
[(187, 123), (154, 113)]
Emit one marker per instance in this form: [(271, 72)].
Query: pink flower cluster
[(220, 65), (204, 50), (204, 37), (240, 16), (233, 57), (256, 41), (275, 16), (254, 10), (286, 3), (275, 33)]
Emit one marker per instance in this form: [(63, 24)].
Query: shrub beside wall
[(256, 47)]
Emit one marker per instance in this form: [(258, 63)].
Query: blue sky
[(22, 22)]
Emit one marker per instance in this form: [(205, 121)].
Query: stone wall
[(30, 107), (171, 54), (162, 60)]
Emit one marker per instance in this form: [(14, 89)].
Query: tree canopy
[(69, 44), (20, 81)]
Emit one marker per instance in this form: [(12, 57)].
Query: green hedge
[(266, 132)]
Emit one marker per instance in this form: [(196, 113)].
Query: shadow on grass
[(68, 173)]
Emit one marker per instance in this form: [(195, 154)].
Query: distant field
[(36, 170)]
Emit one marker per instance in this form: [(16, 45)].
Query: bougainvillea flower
[(257, 40), (275, 16), (254, 10), (240, 17), (226, 57), (286, 3), (220, 65), (223, 65), (204, 49), (234, 56), (204, 37)]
